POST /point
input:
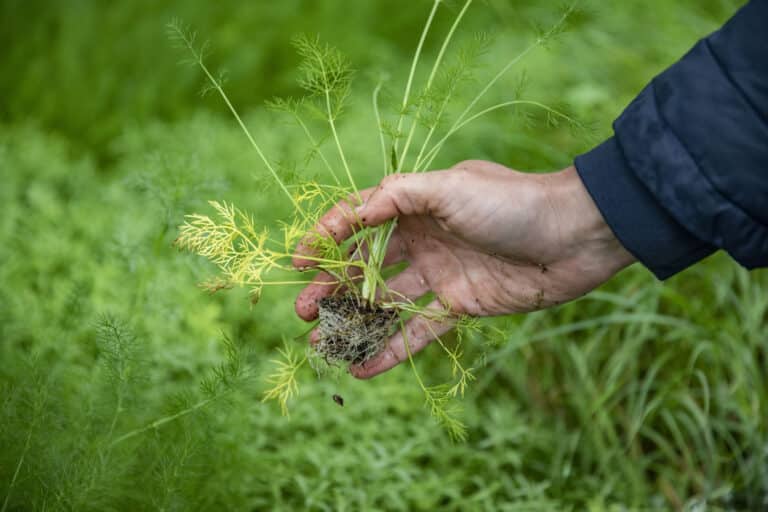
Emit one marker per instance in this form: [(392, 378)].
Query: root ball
[(352, 330)]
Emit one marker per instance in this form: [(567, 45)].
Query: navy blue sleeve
[(686, 172)]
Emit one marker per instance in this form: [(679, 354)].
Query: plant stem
[(376, 112), (332, 123), (317, 146), (409, 83), (167, 419), (538, 42), (432, 153), (198, 55), (247, 132), (17, 471), (378, 247), (384, 233), (118, 410), (431, 78)]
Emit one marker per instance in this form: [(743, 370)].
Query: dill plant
[(356, 321)]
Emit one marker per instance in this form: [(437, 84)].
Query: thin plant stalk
[(430, 79), (384, 234), (332, 124), (180, 34), (17, 471), (167, 419), (316, 147), (412, 72), (433, 152), (538, 42), (377, 113)]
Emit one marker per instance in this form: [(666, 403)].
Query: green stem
[(432, 153), (247, 132), (17, 471), (167, 419), (378, 125), (198, 57), (317, 148), (332, 123), (539, 41), (118, 410), (431, 78), (377, 252), (411, 74), (378, 248)]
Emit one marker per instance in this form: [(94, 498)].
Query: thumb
[(404, 194)]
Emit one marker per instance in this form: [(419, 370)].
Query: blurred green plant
[(641, 396)]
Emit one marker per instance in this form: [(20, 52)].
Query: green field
[(123, 386)]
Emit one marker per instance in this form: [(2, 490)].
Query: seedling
[(355, 324)]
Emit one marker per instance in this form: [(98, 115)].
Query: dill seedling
[(355, 326)]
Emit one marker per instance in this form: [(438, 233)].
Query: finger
[(397, 194), (419, 332), (322, 285), (408, 284), (338, 223), (403, 194)]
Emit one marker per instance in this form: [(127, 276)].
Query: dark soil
[(351, 329)]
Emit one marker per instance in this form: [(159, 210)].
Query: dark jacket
[(686, 172)]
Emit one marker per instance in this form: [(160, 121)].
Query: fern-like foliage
[(442, 405), (233, 375), (248, 254), (282, 380), (326, 74), (119, 350), (234, 243)]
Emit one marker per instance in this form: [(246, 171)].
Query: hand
[(485, 239)]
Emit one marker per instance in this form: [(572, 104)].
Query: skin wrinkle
[(517, 306), (555, 211), (468, 287)]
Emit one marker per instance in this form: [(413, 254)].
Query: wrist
[(586, 238)]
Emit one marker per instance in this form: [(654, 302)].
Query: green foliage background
[(124, 387)]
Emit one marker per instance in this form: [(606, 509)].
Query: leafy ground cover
[(125, 387)]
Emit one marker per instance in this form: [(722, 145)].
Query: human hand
[(485, 239)]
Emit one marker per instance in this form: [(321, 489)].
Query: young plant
[(358, 318)]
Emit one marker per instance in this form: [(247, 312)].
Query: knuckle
[(455, 179), (388, 181), (396, 355), (468, 164), (346, 204)]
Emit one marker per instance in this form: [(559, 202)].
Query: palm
[(471, 279), (492, 256)]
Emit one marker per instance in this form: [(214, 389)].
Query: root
[(351, 329)]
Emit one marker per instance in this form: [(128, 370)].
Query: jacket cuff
[(642, 226)]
